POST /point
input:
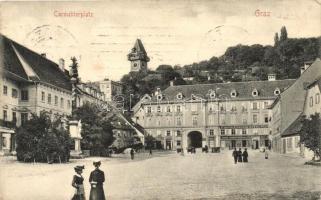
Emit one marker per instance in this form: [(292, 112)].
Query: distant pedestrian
[(77, 183), (239, 155), (235, 155), (150, 151), (96, 179), (245, 155), (132, 154), (266, 154)]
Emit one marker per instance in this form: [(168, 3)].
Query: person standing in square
[(96, 179)]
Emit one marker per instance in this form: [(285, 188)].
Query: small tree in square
[(42, 140), (310, 134)]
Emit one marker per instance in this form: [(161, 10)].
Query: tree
[(96, 128), (310, 134), (284, 34), (42, 140), (149, 140), (276, 39)]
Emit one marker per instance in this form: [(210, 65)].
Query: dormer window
[(255, 93), (179, 96), (277, 91), (159, 97), (212, 94), (233, 93)]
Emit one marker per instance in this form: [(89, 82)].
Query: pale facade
[(111, 89), (223, 115)]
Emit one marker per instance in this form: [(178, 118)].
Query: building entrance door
[(168, 145), (194, 139)]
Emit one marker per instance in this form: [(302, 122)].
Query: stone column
[(75, 134)]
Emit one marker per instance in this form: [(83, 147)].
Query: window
[(233, 131), (244, 121), (178, 108), (62, 103), (277, 91), (212, 94), (14, 117), (254, 119), (179, 96), (194, 120), (211, 132), (4, 142), (266, 105), (233, 93), (49, 98), (222, 131), (24, 118), (255, 93), (178, 121), (178, 133), (317, 98), (5, 115), (43, 96), (178, 143), (24, 95), (168, 109), (5, 90), (159, 97), (244, 108), (266, 118), (311, 101), (254, 105), (149, 109), (243, 131), (158, 109), (56, 100), (168, 133), (14, 93), (68, 104)]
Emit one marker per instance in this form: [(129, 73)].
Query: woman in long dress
[(77, 183), (96, 179)]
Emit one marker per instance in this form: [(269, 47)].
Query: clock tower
[(138, 57)]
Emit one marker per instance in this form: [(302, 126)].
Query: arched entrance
[(194, 139)]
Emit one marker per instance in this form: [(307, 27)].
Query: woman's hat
[(79, 167), (96, 163)]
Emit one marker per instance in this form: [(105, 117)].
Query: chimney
[(43, 55), (171, 83), (305, 66), (62, 64), (271, 77)]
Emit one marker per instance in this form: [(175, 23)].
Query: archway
[(195, 139)]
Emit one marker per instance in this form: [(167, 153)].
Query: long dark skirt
[(245, 159), (239, 159), (97, 193), (79, 193)]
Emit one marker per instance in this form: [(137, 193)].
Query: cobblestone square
[(169, 176)]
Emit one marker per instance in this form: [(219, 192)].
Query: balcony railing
[(7, 124)]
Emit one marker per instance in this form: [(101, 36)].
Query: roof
[(138, 52), (139, 46), (316, 82), (30, 65), (293, 129), (293, 99), (223, 90)]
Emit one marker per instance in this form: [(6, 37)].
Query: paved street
[(169, 176)]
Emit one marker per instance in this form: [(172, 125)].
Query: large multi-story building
[(111, 89), (302, 98), (223, 115), (30, 83)]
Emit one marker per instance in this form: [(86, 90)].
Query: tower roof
[(138, 52)]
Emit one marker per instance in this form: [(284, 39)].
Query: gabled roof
[(293, 129), (223, 90), (31, 66)]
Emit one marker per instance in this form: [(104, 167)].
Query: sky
[(173, 32)]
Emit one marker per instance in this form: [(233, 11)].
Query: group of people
[(240, 156), (96, 180)]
